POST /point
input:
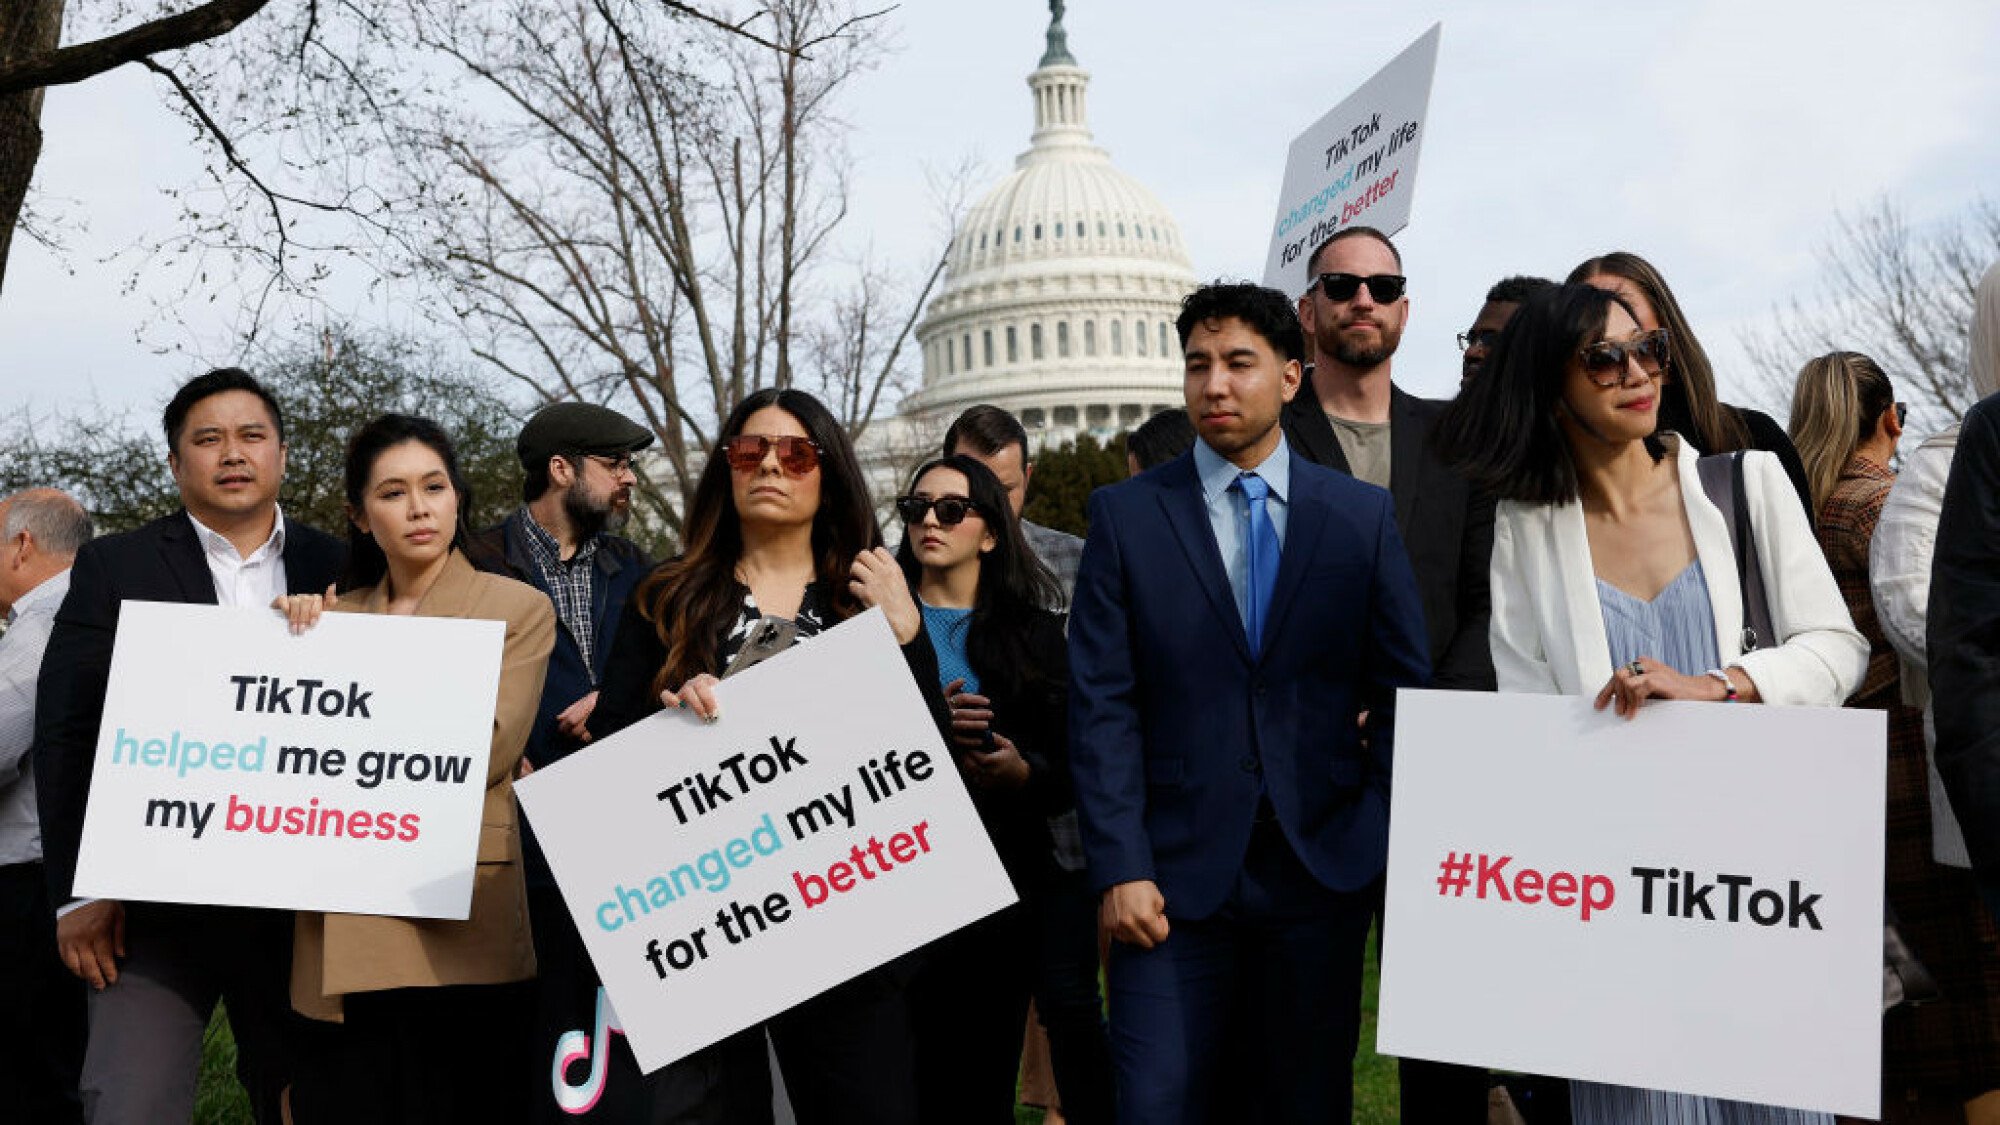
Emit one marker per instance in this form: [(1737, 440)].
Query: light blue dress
[(1678, 628)]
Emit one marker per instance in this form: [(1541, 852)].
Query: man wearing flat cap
[(577, 491)]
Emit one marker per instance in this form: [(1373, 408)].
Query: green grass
[(220, 1101)]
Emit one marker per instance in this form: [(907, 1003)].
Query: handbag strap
[(1722, 481)]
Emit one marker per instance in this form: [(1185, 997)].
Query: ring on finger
[(1636, 668)]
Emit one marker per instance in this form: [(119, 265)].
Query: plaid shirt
[(569, 581), (1847, 521), (1059, 551)]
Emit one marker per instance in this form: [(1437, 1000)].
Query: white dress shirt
[(256, 581)]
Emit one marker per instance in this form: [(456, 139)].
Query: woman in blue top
[(1003, 664)]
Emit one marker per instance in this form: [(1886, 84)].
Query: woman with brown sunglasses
[(1689, 405), (780, 543), (1613, 574)]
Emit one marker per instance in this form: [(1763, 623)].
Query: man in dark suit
[(158, 969), (1237, 611), (1351, 416)]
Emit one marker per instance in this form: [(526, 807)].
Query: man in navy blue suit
[(1242, 621)]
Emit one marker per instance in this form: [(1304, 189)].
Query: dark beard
[(1355, 356), (586, 517), (1362, 357)]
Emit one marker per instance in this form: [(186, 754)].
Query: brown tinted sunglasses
[(796, 455)]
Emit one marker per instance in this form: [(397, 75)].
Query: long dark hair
[(1014, 586), (1501, 430), (366, 564), (692, 600), (1688, 391)]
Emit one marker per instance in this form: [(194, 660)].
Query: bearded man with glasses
[(576, 493), (1350, 415)]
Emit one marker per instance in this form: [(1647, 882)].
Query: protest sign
[(721, 873), (342, 770), (1688, 901), (1357, 164)]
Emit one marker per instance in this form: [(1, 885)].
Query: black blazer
[(1964, 640), (1035, 717), (160, 562), (1447, 528)]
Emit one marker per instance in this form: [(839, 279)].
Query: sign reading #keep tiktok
[(342, 770), (1690, 900)]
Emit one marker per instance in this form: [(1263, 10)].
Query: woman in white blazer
[(1613, 575)]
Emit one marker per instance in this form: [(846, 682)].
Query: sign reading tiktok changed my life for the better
[(722, 873), (341, 770)]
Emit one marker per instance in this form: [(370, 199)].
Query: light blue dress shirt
[(1229, 512)]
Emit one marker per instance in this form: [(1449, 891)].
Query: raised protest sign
[(721, 873), (1357, 164), (1688, 901), (342, 770)]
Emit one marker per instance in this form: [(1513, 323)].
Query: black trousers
[(968, 1004), (847, 1057), (418, 1056), (1066, 996), (41, 1005)]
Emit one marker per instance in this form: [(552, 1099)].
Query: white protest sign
[(722, 873), (1689, 901), (1357, 164), (343, 770)]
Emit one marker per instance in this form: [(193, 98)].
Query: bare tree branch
[(75, 63)]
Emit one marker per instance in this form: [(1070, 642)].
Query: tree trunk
[(32, 28)]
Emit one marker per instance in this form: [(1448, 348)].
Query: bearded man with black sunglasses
[(1350, 415)]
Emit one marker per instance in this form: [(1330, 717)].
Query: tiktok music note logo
[(575, 1045)]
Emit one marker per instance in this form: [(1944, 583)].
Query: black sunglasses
[(1386, 288), (1604, 362), (951, 510)]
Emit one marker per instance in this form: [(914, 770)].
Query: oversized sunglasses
[(796, 455), (1604, 363), (951, 510), (1385, 288)]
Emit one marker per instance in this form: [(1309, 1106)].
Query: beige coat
[(335, 954)]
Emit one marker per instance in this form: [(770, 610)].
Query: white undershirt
[(256, 581)]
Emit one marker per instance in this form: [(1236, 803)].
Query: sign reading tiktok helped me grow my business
[(1355, 166), (722, 873), (342, 770)]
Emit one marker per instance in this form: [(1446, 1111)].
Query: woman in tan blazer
[(410, 1019)]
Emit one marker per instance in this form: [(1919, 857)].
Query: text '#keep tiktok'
[(1662, 891)]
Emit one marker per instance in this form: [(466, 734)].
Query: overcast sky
[(1718, 139)]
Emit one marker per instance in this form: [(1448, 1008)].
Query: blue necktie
[(1260, 556)]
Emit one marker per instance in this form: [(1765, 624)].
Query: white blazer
[(1548, 631)]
